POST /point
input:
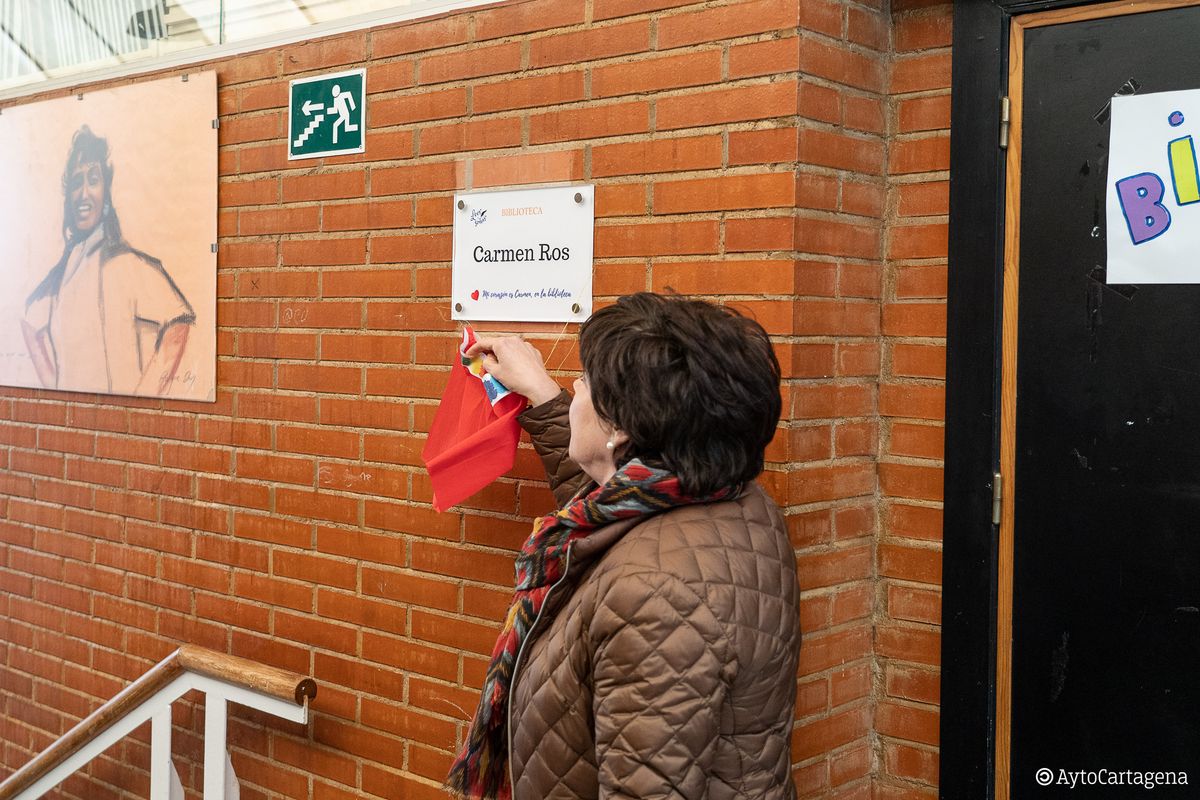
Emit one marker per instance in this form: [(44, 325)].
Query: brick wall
[(290, 522), (912, 404)]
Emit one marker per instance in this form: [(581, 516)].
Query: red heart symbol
[(475, 295)]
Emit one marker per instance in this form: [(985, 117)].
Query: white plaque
[(523, 255)]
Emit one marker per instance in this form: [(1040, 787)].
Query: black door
[(1106, 569)]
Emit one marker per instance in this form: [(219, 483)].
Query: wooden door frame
[(976, 569)]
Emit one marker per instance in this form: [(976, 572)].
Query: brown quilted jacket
[(663, 665)]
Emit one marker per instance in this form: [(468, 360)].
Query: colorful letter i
[(1184, 176)]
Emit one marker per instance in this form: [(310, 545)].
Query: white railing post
[(214, 746), (160, 754)]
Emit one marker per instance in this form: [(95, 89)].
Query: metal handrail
[(223, 678)]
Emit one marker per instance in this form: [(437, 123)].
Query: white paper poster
[(523, 255), (1153, 192)]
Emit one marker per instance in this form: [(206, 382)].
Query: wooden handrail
[(243, 672)]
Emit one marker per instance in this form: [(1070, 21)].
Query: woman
[(652, 643), (106, 318)]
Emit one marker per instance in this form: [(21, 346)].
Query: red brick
[(926, 154), (832, 237), (908, 762), (656, 74), (428, 177), (766, 146), (916, 605), (607, 9), (324, 252), (392, 75), (414, 37), (919, 361), (818, 484), (819, 103), (765, 190), (923, 30), (575, 47), (864, 114), (923, 113), (823, 735), (278, 220), (251, 128), (416, 247), (914, 319), (620, 200), (832, 568), (923, 199), (914, 521), (277, 284), (841, 64), (472, 63), (248, 68), (916, 441), (724, 277), (912, 683), (822, 16), (728, 21), (759, 101), (454, 631), (657, 155), (387, 282), (908, 480), (836, 318), (764, 58), (536, 15), (912, 400), (418, 107), (327, 52), (248, 193), (484, 134), (921, 645), (552, 165), (759, 234), (324, 186), (435, 212), (922, 72), (867, 28), (829, 149), (661, 238), (589, 122), (864, 199)]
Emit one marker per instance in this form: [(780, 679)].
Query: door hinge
[(1004, 116), (997, 496)]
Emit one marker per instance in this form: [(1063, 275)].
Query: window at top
[(45, 41)]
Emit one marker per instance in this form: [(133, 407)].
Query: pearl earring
[(610, 444)]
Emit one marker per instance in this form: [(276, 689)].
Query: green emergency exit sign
[(326, 115)]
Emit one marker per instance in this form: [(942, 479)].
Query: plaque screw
[(574, 308), (462, 204), (578, 197), (458, 306)]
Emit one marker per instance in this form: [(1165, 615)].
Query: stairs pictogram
[(312, 126)]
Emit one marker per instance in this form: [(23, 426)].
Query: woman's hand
[(518, 365)]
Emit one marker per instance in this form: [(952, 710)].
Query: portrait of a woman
[(107, 317)]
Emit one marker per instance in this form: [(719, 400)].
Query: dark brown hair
[(693, 384)]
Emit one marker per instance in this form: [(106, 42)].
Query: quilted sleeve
[(662, 669), (550, 431)]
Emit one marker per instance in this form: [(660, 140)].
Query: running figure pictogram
[(343, 104)]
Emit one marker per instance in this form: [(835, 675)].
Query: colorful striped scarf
[(481, 769)]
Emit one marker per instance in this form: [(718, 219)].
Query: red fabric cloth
[(471, 442)]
